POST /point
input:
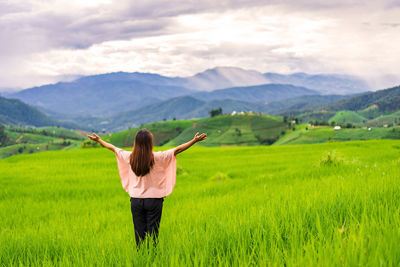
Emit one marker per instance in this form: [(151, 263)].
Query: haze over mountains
[(224, 77), (323, 83), (98, 95), (115, 100), (16, 112)]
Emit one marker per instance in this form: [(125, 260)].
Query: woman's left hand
[(94, 137)]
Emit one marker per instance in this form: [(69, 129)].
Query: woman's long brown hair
[(142, 159)]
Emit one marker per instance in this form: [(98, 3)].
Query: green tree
[(285, 119), (3, 136), (215, 112), (238, 132)]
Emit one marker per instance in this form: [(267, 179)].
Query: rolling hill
[(386, 100), (223, 130), (390, 119), (347, 116), (374, 108)]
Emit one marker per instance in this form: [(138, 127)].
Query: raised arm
[(97, 138), (196, 138)]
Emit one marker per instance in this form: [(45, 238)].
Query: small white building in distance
[(337, 128), (233, 113)]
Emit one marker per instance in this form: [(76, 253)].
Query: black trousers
[(146, 215)]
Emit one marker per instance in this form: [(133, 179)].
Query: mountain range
[(100, 94), (116, 100), (122, 91)]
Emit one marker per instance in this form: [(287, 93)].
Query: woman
[(148, 177)]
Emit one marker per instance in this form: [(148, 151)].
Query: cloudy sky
[(47, 41)]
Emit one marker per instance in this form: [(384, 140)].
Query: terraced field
[(324, 134), (26, 141), (239, 130), (348, 117)]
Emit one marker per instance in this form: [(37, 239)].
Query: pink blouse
[(158, 183)]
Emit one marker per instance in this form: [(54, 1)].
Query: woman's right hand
[(93, 137), (200, 137)]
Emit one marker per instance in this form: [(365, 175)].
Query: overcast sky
[(47, 41)]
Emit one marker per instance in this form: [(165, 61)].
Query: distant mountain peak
[(225, 77), (225, 69)]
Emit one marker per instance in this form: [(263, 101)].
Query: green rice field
[(331, 204), (327, 134)]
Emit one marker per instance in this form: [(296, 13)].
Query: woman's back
[(148, 177), (159, 182)]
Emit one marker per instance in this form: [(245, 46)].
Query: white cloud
[(48, 41)]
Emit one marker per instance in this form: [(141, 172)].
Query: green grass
[(333, 204)]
